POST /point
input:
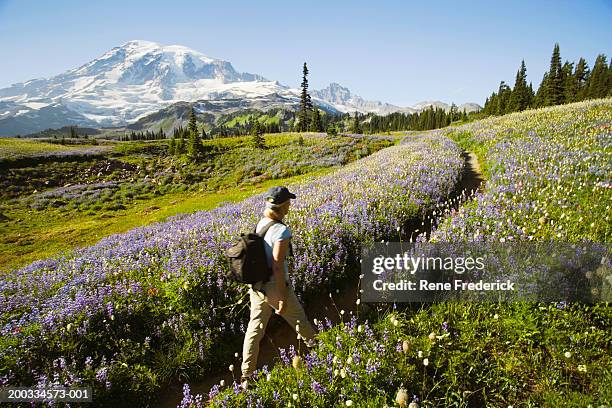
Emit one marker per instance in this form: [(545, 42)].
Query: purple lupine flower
[(101, 374), (214, 391), (237, 388), (318, 388), (370, 367), (283, 356), (385, 335)]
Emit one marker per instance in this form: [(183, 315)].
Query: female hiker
[(276, 294)]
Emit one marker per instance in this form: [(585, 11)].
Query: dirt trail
[(280, 335), (472, 178)]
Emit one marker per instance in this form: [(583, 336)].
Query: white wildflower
[(402, 397)]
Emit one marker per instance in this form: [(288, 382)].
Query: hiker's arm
[(278, 270)]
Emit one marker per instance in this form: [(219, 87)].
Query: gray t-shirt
[(275, 233)]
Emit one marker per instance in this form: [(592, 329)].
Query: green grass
[(11, 148), (272, 140), (32, 235), (243, 119), (238, 120)]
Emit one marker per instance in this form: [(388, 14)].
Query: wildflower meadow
[(138, 309)]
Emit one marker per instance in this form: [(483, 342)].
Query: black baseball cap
[(278, 194)]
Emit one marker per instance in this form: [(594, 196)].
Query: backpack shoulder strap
[(266, 228)]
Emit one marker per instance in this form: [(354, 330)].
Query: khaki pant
[(261, 311)]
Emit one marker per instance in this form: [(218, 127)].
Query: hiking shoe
[(244, 382), (310, 343)]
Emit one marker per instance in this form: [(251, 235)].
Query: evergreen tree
[(520, 97), (492, 108), (356, 126), (195, 149), (180, 132), (257, 135), (305, 103), (440, 118), (503, 99), (541, 95), (332, 131), (192, 126), (486, 109), (598, 84), (180, 146), (73, 133), (204, 135), (315, 124), (453, 113), (554, 84), (582, 75), (171, 146), (570, 82), (531, 95), (428, 120)]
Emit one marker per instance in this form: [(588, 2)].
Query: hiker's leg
[(294, 312), (260, 315)]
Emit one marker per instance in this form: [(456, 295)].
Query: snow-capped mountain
[(427, 104), (141, 78), (343, 100), (127, 82)]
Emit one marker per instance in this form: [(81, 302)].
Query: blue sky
[(400, 52)]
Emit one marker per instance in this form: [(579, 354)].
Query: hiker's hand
[(281, 307)]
